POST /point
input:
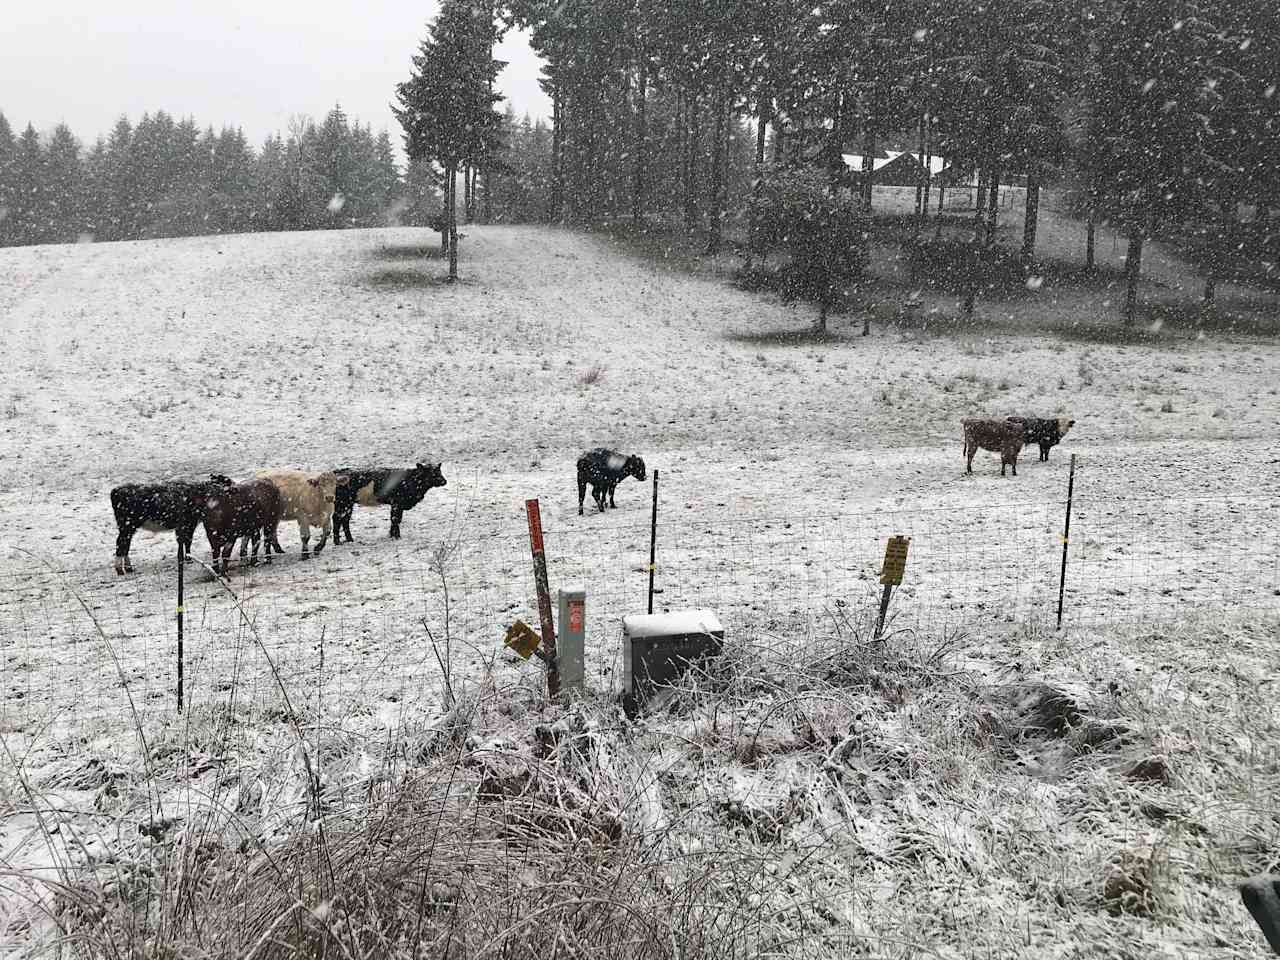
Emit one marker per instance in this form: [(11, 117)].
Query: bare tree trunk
[(993, 201), (452, 173), (466, 192), (979, 209), (868, 166), (1089, 243), (1032, 215), (753, 232), (557, 156), (928, 176), (693, 121), (1132, 269), (973, 276), (642, 132), (1211, 279), (779, 141), (682, 143), (919, 173), (716, 190), (942, 203)]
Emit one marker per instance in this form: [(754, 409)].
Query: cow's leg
[(123, 539), (969, 452), (582, 493), (324, 536), (344, 523), (1013, 465), (1044, 452), (612, 487), (396, 515), (270, 539), (304, 531)]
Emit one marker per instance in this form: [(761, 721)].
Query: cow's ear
[(439, 466)]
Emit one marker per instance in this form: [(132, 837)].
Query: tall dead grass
[(802, 796)]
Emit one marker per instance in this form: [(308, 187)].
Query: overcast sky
[(247, 63)]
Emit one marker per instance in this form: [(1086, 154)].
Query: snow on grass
[(785, 461)]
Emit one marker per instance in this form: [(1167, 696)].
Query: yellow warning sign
[(522, 639), (895, 561)]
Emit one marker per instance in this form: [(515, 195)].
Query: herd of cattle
[(251, 511)]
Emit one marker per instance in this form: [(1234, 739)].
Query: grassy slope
[(145, 359)]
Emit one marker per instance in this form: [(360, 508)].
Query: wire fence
[(370, 626)]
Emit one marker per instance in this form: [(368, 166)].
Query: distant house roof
[(898, 167)]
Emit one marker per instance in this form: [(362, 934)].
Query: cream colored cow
[(308, 499)]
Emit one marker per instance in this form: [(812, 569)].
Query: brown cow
[(251, 510), (1004, 437)]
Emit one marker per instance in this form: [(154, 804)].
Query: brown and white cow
[(1002, 436)]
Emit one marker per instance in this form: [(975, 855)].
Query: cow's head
[(1064, 424), (327, 484), (634, 467), (428, 475)]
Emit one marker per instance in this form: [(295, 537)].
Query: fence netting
[(370, 626)]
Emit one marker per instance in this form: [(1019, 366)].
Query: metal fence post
[(1066, 539), (182, 563), (653, 538)]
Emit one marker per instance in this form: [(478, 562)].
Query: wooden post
[(544, 596), (884, 608), (1066, 537), (182, 563), (653, 539)]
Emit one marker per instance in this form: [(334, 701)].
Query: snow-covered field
[(784, 464)]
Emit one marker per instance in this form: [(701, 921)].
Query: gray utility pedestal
[(571, 644), (658, 647)]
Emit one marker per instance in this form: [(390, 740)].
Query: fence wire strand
[(372, 608)]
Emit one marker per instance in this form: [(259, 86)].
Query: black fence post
[(653, 538), (1066, 539), (182, 563)]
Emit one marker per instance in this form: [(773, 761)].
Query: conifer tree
[(447, 104)]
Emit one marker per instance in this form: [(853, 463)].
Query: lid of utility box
[(680, 622)]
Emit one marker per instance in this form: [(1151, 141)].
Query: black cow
[(604, 469), (401, 488), (177, 505), (1046, 432)]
